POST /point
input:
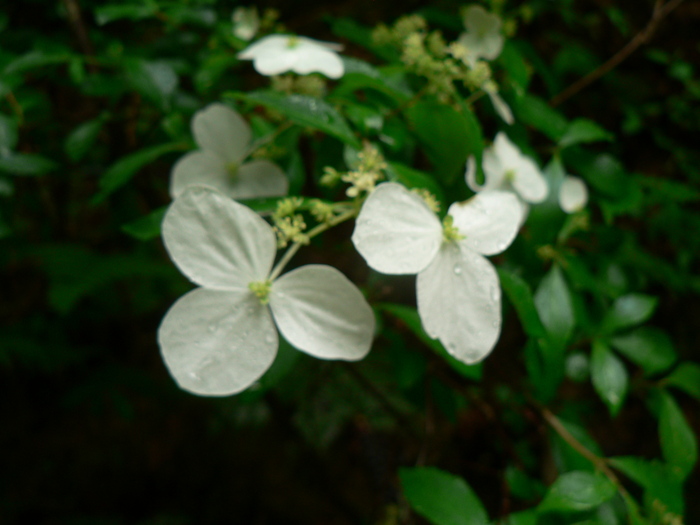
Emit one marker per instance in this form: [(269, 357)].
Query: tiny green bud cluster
[(450, 233), (369, 171), (289, 225), (428, 198), (322, 211), (261, 290)]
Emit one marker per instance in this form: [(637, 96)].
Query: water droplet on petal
[(213, 328), (495, 293), (458, 269), (269, 339)]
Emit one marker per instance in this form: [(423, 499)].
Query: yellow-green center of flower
[(261, 289), (509, 175), (293, 42), (232, 170), (450, 233)]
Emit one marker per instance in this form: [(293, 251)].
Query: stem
[(660, 12), (268, 138), (294, 248)]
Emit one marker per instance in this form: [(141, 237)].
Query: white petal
[(396, 232), (489, 220), (269, 45), (501, 107), (198, 168), (319, 311), (494, 171), (459, 302), (276, 63), (259, 178), (216, 242), (573, 194), (217, 343), (528, 180), (483, 38), (312, 56), (222, 130)]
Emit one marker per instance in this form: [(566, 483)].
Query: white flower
[(483, 37), (220, 338), (506, 168), (499, 105), (276, 54), (459, 297), (573, 194), (246, 22), (225, 140)]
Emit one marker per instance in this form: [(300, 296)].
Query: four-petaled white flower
[(506, 168), (246, 22), (276, 54), (483, 38), (220, 338), (224, 139), (459, 297), (573, 194)]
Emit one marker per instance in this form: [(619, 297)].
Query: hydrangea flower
[(506, 168), (276, 54), (246, 22), (573, 194), (224, 139), (483, 38), (459, 297), (220, 337)]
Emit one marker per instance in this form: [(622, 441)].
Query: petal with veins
[(217, 343), (459, 302), (199, 168), (259, 178), (489, 221), (319, 311), (396, 232), (216, 242)]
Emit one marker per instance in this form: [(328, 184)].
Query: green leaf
[(678, 443), (537, 113), (657, 479), (34, 60), (410, 316), (146, 227), (609, 377), (687, 378), (520, 296), (629, 310), (604, 172), (525, 517), (576, 491), (553, 302), (514, 63), (304, 110), (582, 131), (447, 136), (8, 134), (442, 498), (82, 138), (109, 13), (155, 80), (26, 164), (648, 347), (124, 169)]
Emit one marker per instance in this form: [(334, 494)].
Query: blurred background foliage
[(95, 103)]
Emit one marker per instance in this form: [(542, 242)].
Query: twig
[(660, 12), (76, 19)]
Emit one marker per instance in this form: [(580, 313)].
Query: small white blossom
[(246, 22), (224, 139), (276, 54), (220, 338), (459, 297), (483, 39), (573, 194), (506, 168)]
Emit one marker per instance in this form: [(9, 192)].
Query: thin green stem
[(294, 248)]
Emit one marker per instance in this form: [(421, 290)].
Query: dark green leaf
[(33, 60), (514, 63), (582, 131), (26, 164), (520, 296), (537, 113), (657, 479), (447, 136), (629, 310), (609, 377), (124, 169), (412, 319), (553, 302), (678, 443), (8, 134), (442, 498), (648, 347), (577, 491), (109, 13), (304, 110), (156, 80), (81, 139), (146, 227), (687, 378), (415, 179)]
